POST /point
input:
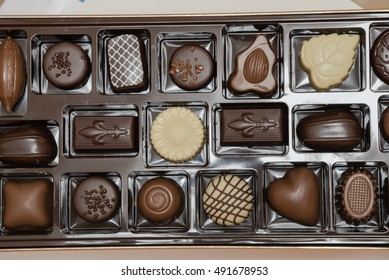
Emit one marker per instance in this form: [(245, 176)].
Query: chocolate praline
[(356, 196), (96, 199), (191, 67), (160, 200), (66, 65), (384, 124), (380, 57)]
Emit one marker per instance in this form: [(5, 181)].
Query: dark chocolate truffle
[(356, 196), (28, 145), (191, 67), (28, 205), (228, 200), (296, 196), (160, 200), (66, 65), (104, 134), (380, 57), (254, 70), (333, 130), (127, 63), (253, 127), (96, 199), (384, 124)]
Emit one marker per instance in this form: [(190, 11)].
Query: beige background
[(68, 7)]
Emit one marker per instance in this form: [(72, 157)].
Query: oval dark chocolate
[(28, 145), (333, 130)]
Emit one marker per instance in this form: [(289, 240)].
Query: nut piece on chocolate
[(380, 57), (254, 70), (127, 63), (191, 67)]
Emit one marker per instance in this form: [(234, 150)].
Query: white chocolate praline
[(228, 200), (177, 134), (328, 59)]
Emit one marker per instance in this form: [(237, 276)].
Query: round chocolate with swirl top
[(356, 196), (380, 57), (66, 65), (96, 199), (160, 200)]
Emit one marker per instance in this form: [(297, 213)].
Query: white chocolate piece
[(228, 200), (177, 134), (328, 59)]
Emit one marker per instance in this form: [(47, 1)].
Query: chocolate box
[(95, 130)]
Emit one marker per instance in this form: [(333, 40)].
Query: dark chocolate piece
[(384, 124), (28, 145), (104, 134), (333, 130), (296, 196), (356, 196), (28, 205), (228, 200), (253, 127), (127, 63), (191, 67), (66, 65), (160, 200), (96, 199), (254, 70), (380, 57)]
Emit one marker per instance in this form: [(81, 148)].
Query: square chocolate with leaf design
[(254, 126), (104, 134)]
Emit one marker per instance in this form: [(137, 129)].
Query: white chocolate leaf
[(328, 59)]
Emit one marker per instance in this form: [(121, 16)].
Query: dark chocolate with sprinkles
[(96, 199)]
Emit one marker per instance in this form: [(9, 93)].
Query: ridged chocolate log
[(12, 74), (333, 130), (27, 145)]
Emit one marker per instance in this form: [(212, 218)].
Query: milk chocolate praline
[(384, 124), (380, 57), (356, 196), (160, 200)]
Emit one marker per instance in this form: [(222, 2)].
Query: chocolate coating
[(356, 196), (28, 145), (380, 57), (160, 200), (104, 134), (228, 200), (296, 196), (28, 205), (384, 124), (253, 127), (253, 71), (66, 65), (333, 130), (127, 63), (191, 67), (96, 199)]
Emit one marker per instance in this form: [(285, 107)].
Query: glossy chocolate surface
[(28, 205), (253, 126), (296, 196), (104, 134), (384, 124), (96, 199), (380, 57), (28, 145), (191, 67), (333, 130), (66, 65), (160, 200)]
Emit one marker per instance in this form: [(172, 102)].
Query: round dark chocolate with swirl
[(160, 200), (96, 199), (66, 65), (380, 57)]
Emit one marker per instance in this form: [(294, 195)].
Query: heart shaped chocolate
[(296, 196)]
